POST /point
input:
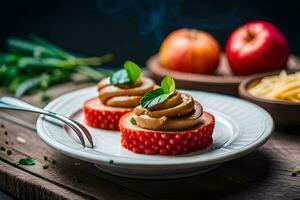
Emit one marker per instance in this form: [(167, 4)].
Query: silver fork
[(16, 104)]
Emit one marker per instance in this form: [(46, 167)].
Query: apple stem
[(250, 36), (193, 34)]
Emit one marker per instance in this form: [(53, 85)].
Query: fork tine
[(74, 126), (80, 136), (87, 133)]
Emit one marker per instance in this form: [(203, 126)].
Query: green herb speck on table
[(45, 166), (26, 161), (8, 152)]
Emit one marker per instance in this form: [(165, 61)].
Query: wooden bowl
[(222, 81), (284, 113)]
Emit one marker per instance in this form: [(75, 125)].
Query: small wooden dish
[(222, 81), (284, 113)]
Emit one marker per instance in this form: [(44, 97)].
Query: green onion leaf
[(91, 73), (8, 58), (94, 60), (44, 62), (22, 66), (30, 47), (52, 47), (27, 85)]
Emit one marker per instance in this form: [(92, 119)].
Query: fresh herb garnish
[(36, 64), (168, 85), (45, 97), (2, 148), (45, 166), (130, 74), (133, 71), (153, 98), (159, 95), (8, 152), (26, 161), (133, 121)]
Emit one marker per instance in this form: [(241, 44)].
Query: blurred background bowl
[(284, 113), (223, 81)]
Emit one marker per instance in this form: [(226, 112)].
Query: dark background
[(133, 29)]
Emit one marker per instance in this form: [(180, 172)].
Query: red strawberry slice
[(98, 115), (146, 141)]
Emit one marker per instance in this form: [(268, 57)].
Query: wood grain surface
[(263, 174)]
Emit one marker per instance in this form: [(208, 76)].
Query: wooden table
[(263, 174)]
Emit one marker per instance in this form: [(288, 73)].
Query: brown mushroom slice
[(185, 107), (165, 123), (112, 91), (124, 101)]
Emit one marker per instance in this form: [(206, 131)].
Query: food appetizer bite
[(167, 122), (118, 95)]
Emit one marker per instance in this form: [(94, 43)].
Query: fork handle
[(16, 104)]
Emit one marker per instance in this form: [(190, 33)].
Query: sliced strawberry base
[(146, 141), (98, 115)]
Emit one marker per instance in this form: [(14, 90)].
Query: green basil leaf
[(133, 71), (153, 97), (168, 85), (119, 77), (26, 161), (133, 121)]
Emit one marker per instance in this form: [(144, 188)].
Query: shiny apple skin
[(190, 50), (265, 49)]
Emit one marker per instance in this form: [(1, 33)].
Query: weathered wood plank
[(77, 176), (25, 186)]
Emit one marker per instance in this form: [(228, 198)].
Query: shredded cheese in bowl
[(278, 87)]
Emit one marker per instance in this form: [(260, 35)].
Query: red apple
[(190, 50), (255, 47)]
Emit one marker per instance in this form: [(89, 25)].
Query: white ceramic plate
[(240, 128)]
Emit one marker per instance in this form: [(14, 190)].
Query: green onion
[(37, 64)]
